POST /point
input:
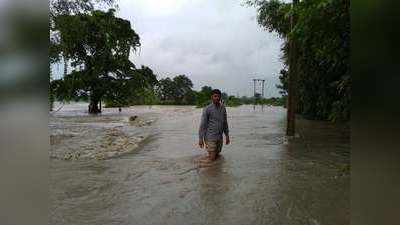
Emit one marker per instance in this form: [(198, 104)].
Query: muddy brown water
[(261, 178)]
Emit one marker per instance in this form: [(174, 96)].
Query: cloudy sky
[(215, 43)]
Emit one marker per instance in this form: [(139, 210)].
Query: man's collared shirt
[(213, 123)]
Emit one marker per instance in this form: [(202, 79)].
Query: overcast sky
[(217, 43), (214, 42)]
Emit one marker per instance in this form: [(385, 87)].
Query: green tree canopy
[(176, 91), (69, 7), (322, 36), (166, 89), (98, 44), (183, 89), (203, 96)]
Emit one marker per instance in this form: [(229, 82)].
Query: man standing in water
[(213, 124)]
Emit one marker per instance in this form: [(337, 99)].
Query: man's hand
[(227, 140), (201, 143)]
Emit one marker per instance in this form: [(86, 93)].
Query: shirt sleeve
[(225, 125), (203, 124)]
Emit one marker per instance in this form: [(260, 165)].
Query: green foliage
[(176, 91), (281, 101), (98, 44), (283, 77), (183, 90), (203, 98), (246, 100), (232, 101), (322, 36), (69, 7), (272, 101), (165, 89)]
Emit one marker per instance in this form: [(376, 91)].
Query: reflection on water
[(214, 187), (261, 178)]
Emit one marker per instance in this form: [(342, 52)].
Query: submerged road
[(262, 177)]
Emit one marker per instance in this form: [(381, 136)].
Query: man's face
[(215, 98)]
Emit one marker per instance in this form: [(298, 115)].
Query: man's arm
[(226, 127), (203, 127)]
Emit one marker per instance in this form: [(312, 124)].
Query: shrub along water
[(322, 36)]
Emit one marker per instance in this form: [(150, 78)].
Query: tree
[(190, 97), (203, 96), (182, 89), (322, 36), (176, 91), (99, 44), (283, 77), (165, 90), (246, 100), (70, 7), (232, 101), (144, 87)]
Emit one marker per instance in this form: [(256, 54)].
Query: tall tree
[(203, 96), (144, 88), (166, 90), (183, 87), (100, 44), (69, 7), (176, 91), (322, 35)]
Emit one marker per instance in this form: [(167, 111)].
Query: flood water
[(261, 178)]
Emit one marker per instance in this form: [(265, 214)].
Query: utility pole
[(262, 94), (254, 94), (254, 89), (262, 104), (291, 101), (263, 88)]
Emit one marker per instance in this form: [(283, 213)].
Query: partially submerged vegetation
[(322, 63), (95, 48)]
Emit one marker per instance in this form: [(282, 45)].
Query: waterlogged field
[(116, 168)]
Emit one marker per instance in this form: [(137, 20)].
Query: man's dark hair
[(216, 91)]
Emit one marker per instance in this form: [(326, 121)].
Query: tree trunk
[(94, 107), (292, 79)]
